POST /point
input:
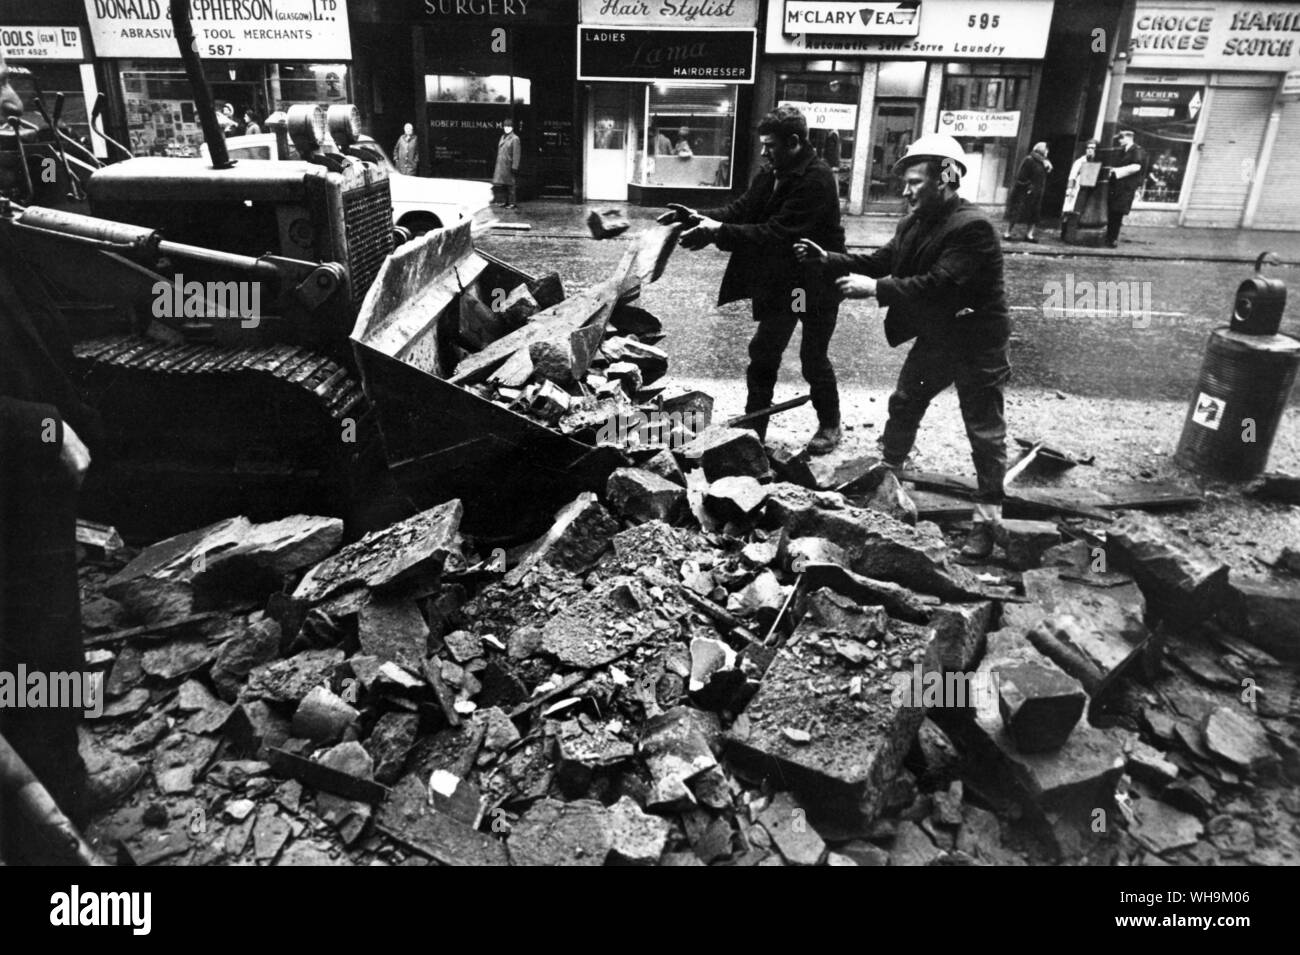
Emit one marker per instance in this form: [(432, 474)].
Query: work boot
[(979, 542), (826, 440)]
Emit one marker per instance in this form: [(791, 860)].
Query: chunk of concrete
[(322, 716), (640, 496), (579, 535), (637, 837), (1238, 738), (1026, 541), (1040, 704), (727, 452), (1269, 613), (555, 833), (786, 822), (1182, 580), (735, 498), (393, 631)]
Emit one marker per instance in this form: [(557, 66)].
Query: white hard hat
[(933, 146)]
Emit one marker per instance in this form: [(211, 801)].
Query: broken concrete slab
[(735, 498), (652, 361), (787, 823), (837, 615), (960, 632), (417, 545), (551, 832), (1238, 738), (323, 716), (637, 838), (913, 847), (640, 495), (899, 602), (407, 817), (237, 657), (727, 452), (1269, 615), (855, 745), (795, 553), (500, 732), (678, 746), (761, 599), (665, 465), (579, 535), (1025, 542), (389, 743), (1040, 704), (1160, 828), (289, 680), (254, 726), (877, 545), (1182, 580), (1149, 765), (176, 658), (596, 628), (889, 497), (393, 630), (264, 555), (1099, 660)]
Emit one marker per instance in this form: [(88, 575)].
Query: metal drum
[(1242, 391)]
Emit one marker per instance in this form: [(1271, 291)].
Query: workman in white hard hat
[(940, 277)]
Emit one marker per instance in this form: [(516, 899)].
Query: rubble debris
[(889, 498), (257, 564), (101, 539), (762, 599), (637, 837), (393, 630), (641, 495), (1278, 487), (677, 746), (552, 832), (960, 631), (158, 584), (177, 658), (1026, 541), (664, 464), (736, 499), (407, 548), (407, 817), (1180, 579), (876, 544), (1238, 738), (574, 635), (794, 837), (345, 773), (1161, 828), (1149, 765), (1269, 614), (727, 452), (578, 536), (249, 647), (323, 716), (652, 362), (290, 679), (1040, 704), (898, 601), (913, 847)]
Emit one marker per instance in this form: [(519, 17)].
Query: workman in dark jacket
[(940, 277), (1125, 179), (795, 195)]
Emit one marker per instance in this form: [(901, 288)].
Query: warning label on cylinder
[(1209, 411)]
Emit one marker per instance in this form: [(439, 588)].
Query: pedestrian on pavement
[(1125, 180), (1026, 204), (406, 151), (940, 277), (509, 151), (1076, 171), (46, 437), (793, 195)]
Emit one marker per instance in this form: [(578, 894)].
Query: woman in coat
[(1026, 203), (508, 155)]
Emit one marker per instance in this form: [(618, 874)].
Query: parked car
[(420, 203)]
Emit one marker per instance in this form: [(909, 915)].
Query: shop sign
[(499, 11), (1168, 102), (670, 13), (947, 29), (229, 29), (1291, 84), (846, 18), (974, 122), (684, 56), (826, 115), (41, 43), (1262, 37)]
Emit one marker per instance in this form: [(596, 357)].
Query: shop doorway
[(606, 142), (895, 125)]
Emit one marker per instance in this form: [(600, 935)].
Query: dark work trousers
[(930, 367), (40, 628), (775, 324), (1113, 222)]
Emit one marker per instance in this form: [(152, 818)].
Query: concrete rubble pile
[(701, 665)]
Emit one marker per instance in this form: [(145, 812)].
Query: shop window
[(983, 107), (1163, 119), (46, 81), (689, 134), (830, 104), (500, 89), (294, 83)]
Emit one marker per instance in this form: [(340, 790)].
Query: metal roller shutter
[(1279, 206), (1229, 149)]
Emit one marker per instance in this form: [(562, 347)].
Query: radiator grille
[(368, 213)]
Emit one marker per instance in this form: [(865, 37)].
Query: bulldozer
[(213, 306)]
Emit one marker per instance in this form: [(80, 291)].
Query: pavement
[(561, 218)]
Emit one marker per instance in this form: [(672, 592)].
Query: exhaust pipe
[(212, 134)]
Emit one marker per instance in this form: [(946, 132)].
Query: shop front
[(50, 61), (483, 62), (1202, 89), (666, 98), (873, 77), (259, 56)]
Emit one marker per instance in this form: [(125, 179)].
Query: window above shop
[(901, 78)]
